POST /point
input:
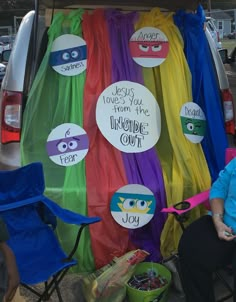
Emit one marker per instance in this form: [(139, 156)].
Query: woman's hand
[(224, 232)]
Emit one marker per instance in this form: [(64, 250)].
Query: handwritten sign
[(149, 46), (67, 144), (68, 55), (129, 117), (193, 122), (133, 206)]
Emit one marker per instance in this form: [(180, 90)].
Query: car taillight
[(11, 116), (228, 111)]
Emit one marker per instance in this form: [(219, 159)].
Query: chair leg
[(45, 296), (225, 298), (54, 285), (31, 289), (49, 287), (58, 293), (221, 278)]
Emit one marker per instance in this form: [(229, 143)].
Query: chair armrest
[(188, 204), (76, 244), (68, 216), (181, 209)]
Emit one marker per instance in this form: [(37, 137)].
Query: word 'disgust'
[(135, 131)]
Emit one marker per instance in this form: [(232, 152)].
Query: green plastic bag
[(109, 283)]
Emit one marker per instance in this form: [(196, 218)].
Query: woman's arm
[(217, 208), (12, 271), (218, 194)]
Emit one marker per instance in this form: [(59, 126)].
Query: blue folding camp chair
[(31, 220)]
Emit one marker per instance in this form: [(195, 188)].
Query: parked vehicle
[(214, 32), (4, 47), (5, 56), (228, 102), (232, 35), (226, 57), (30, 46), (2, 71), (7, 40)]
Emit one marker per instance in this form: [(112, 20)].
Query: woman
[(209, 243), (9, 277)]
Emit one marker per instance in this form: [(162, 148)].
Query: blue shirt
[(225, 187)]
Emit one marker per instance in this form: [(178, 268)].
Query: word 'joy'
[(134, 220)]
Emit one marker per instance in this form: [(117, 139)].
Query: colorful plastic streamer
[(53, 100), (184, 165), (205, 86), (105, 171), (141, 168)]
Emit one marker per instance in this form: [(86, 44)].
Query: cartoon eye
[(74, 54), (156, 48), (142, 204), (198, 125), (66, 56), (144, 48), (128, 203), (72, 145), (62, 147), (190, 126)]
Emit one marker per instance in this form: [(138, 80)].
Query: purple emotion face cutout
[(67, 144)]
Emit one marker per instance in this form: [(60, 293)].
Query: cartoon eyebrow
[(67, 133), (188, 121), (76, 138), (59, 142)]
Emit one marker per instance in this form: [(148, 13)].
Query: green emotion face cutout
[(193, 126), (193, 122)]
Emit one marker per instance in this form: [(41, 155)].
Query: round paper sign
[(149, 47), (133, 206), (68, 55), (129, 117), (67, 144), (193, 122)]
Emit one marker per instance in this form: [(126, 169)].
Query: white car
[(2, 71), (214, 32), (4, 47)]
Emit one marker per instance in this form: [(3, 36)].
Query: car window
[(210, 26)]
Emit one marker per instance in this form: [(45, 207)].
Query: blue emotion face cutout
[(133, 206), (70, 60), (67, 56), (67, 144)]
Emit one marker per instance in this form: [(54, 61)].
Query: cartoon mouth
[(148, 56)]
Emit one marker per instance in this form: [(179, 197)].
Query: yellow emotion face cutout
[(134, 205)]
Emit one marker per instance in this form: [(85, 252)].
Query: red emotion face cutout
[(149, 47)]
